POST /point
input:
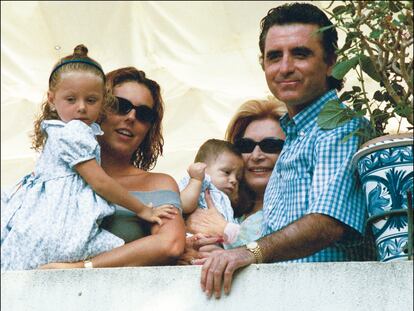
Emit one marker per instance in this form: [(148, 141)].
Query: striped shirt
[(314, 175)]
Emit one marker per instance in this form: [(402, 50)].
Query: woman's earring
[(52, 107)]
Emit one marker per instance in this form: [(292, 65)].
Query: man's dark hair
[(303, 13)]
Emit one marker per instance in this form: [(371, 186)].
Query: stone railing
[(350, 286)]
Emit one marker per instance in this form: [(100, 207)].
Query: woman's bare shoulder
[(140, 180), (161, 181)]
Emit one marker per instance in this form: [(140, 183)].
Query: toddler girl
[(53, 214)]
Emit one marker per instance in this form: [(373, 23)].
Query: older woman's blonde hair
[(252, 110), (248, 112)]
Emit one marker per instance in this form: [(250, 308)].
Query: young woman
[(131, 144)]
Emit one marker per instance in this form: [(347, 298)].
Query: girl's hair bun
[(80, 51)]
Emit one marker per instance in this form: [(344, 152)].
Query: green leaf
[(402, 18), (396, 23), (368, 67), (322, 29), (378, 96), (347, 45), (394, 6), (347, 137), (341, 69), (375, 34), (399, 90), (339, 9), (346, 96), (365, 134), (360, 113), (403, 110), (333, 114), (357, 104)]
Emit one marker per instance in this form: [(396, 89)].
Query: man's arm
[(301, 238)]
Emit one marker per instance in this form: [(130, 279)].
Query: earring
[(52, 107)]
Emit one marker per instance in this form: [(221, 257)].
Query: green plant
[(378, 44)]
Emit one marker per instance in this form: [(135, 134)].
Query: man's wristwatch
[(254, 248)]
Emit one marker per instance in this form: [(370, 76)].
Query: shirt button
[(302, 133)]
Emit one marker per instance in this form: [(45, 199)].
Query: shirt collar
[(305, 119)]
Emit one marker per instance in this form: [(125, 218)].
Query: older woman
[(130, 146), (256, 132)]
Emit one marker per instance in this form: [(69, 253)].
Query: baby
[(218, 166)]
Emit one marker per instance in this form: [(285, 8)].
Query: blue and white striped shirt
[(314, 175)]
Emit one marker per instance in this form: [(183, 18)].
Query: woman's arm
[(112, 191), (164, 246)]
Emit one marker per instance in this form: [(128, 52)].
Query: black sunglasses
[(142, 113), (267, 145)]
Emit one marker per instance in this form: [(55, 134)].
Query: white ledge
[(312, 286)]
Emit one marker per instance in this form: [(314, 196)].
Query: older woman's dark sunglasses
[(142, 113), (267, 145)]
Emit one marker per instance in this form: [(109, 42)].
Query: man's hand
[(219, 267)]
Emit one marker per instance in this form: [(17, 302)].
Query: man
[(313, 210)]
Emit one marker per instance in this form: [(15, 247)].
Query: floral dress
[(53, 215)]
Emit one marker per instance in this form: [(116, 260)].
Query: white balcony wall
[(352, 286)]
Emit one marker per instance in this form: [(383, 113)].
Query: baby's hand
[(197, 170), (151, 214)]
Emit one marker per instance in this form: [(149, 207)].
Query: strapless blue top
[(126, 224)]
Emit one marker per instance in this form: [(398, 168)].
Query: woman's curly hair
[(147, 153)]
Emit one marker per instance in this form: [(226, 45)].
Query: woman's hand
[(190, 253), (208, 221), (63, 265), (199, 246)]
